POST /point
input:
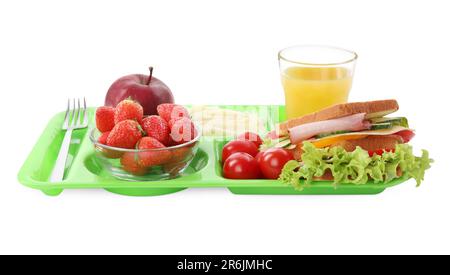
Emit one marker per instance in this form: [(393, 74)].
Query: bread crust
[(371, 108), (370, 143)]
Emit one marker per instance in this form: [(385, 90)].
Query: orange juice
[(310, 89)]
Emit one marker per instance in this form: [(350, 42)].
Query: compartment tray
[(82, 172)]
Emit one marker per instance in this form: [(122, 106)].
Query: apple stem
[(150, 76)]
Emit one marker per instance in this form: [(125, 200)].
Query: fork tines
[(76, 116)]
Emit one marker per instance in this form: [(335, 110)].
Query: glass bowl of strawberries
[(135, 147)]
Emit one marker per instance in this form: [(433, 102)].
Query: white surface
[(220, 52)]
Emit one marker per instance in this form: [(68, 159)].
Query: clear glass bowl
[(145, 165)]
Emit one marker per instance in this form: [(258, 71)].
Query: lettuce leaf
[(355, 167)]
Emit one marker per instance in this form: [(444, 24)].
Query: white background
[(220, 52)]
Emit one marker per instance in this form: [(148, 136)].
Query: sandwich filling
[(355, 129), (306, 131)]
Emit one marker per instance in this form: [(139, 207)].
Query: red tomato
[(239, 146), (406, 135), (241, 166), (259, 156), (380, 151), (272, 162), (249, 136)]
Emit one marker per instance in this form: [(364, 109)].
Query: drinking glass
[(315, 77)]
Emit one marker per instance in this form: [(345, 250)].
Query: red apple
[(147, 90)]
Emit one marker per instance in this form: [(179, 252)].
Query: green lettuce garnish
[(355, 167)]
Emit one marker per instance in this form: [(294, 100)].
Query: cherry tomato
[(241, 166), (239, 146), (259, 156), (249, 136), (272, 162)]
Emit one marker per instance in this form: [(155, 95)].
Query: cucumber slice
[(290, 147), (283, 143), (380, 126), (395, 121)]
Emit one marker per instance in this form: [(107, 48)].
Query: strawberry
[(125, 134), (157, 128), (103, 138), (152, 158), (108, 153), (182, 131), (128, 110), (130, 164), (104, 119), (169, 111)]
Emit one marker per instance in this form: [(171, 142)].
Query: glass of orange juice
[(315, 77)]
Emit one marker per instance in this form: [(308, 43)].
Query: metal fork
[(76, 118)]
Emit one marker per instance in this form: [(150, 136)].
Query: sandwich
[(354, 143)]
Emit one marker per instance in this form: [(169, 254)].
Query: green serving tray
[(83, 172)]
